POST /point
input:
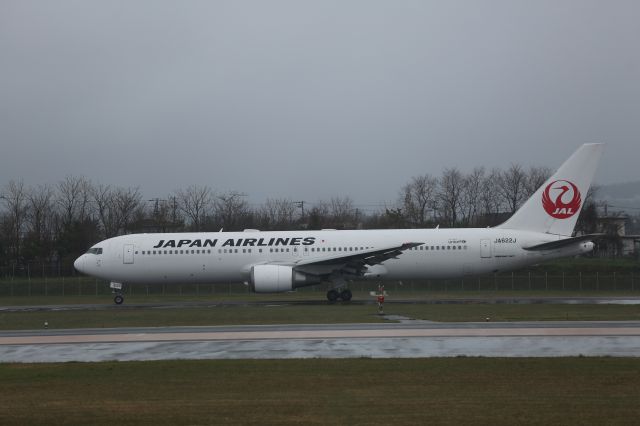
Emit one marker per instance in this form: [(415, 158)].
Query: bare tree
[(417, 198), (74, 195), (318, 216), (115, 208), (128, 201), (490, 198), (163, 214), (450, 195), (277, 213), (231, 209), (534, 180), (15, 197), (588, 219), (40, 214), (102, 196), (195, 202), (512, 187), (342, 212), (471, 196)]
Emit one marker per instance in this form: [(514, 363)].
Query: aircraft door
[(485, 248), (127, 255)]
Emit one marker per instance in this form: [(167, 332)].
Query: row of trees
[(57, 223)]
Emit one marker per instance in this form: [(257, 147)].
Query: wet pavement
[(406, 339)]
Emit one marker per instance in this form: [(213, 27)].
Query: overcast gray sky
[(310, 99)]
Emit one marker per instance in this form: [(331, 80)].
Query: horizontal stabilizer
[(553, 245)]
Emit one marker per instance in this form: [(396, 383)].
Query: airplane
[(282, 261)]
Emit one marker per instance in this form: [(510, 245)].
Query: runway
[(406, 339)]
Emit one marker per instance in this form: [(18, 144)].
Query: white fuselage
[(225, 257)]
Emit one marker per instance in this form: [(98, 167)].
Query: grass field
[(310, 314), (315, 296), (567, 391)]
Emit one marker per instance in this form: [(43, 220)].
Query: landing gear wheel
[(346, 295), (332, 295), (118, 299)]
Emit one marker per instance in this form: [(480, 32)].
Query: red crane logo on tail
[(563, 191)]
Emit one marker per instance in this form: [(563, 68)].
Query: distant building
[(616, 242)]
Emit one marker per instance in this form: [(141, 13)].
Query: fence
[(527, 281)]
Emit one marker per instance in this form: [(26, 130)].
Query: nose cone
[(79, 264)]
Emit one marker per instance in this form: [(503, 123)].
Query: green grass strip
[(445, 391)]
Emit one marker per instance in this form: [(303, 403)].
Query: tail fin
[(556, 205)]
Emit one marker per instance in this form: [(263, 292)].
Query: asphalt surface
[(406, 339)]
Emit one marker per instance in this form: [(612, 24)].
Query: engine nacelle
[(277, 278)]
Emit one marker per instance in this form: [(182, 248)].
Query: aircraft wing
[(553, 245), (352, 263)]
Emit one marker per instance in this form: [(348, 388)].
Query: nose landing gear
[(117, 289)]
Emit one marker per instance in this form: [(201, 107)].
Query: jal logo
[(561, 199)]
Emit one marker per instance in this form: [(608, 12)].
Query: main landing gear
[(117, 289), (333, 295)]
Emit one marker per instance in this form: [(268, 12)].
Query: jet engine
[(278, 278)]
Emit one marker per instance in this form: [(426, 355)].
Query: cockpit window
[(95, 250)]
